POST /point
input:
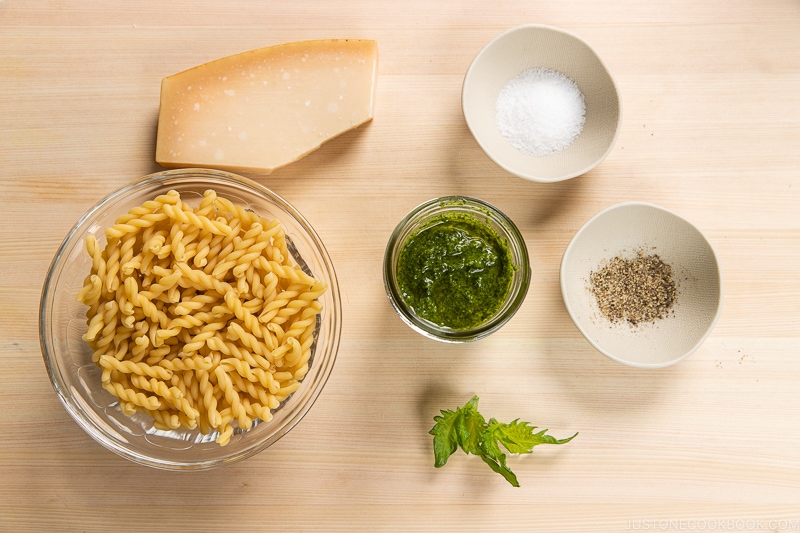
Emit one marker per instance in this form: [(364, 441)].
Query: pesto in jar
[(455, 271)]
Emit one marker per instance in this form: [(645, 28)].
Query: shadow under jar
[(456, 269)]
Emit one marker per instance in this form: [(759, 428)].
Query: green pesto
[(455, 271)]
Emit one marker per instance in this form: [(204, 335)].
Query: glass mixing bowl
[(77, 379)]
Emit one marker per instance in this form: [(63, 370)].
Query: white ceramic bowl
[(76, 379), (623, 230), (538, 46)]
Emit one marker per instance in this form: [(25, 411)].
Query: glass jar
[(484, 214)]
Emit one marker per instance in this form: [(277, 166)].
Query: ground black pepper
[(634, 290)]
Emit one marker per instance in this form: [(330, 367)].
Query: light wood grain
[(711, 130)]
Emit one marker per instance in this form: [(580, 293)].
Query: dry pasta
[(199, 317)]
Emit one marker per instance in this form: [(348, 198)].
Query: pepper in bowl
[(456, 269)]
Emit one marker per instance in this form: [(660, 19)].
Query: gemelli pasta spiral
[(199, 318)]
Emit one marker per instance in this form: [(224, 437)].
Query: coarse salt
[(540, 112)]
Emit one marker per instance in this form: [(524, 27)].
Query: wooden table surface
[(711, 130)]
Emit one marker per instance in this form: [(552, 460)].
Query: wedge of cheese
[(260, 110)]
